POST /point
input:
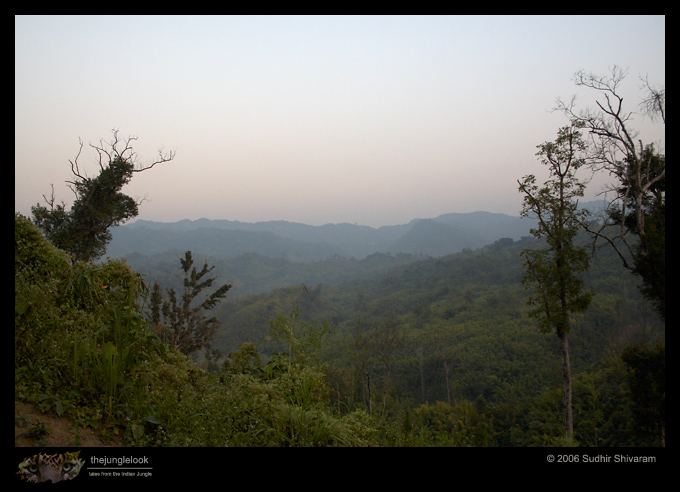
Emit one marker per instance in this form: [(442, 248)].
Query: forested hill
[(470, 286), (439, 236), (452, 334)]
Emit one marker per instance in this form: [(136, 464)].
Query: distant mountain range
[(439, 236)]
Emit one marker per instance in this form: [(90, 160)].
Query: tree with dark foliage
[(647, 380), (84, 230), (184, 326)]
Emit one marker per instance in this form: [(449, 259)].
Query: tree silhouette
[(184, 326), (84, 230)]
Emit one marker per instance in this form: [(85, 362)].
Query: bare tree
[(638, 204), (654, 105)]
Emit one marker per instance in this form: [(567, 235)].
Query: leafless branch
[(654, 105), (76, 170), (50, 202), (161, 158), (119, 148), (602, 83), (145, 199), (598, 234), (608, 129), (74, 163), (113, 152)]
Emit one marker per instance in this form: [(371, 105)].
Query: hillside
[(253, 273), (89, 369), (444, 289), (458, 330), (442, 235), (214, 242), (264, 256)]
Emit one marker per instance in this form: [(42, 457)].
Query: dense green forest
[(421, 352), (447, 332)]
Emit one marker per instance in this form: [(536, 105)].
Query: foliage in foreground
[(83, 349)]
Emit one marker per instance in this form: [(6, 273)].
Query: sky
[(366, 120)]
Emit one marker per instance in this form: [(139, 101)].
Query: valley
[(442, 235), (260, 257), (427, 342), (446, 291)]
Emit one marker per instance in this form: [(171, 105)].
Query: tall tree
[(184, 325), (389, 341), (553, 272), (638, 204), (99, 203), (363, 362)]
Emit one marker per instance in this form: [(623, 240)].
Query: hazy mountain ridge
[(214, 242), (446, 234), (259, 257)]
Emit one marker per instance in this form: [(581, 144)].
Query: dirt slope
[(60, 430)]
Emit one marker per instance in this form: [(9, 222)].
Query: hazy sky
[(368, 120)]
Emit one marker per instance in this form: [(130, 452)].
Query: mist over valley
[(442, 235)]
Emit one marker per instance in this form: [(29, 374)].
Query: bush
[(77, 328)]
